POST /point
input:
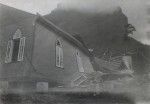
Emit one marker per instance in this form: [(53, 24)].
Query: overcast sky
[(135, 10)]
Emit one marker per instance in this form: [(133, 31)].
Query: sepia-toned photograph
[(74, 51)]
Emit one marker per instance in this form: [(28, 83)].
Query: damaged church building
[(41, 55), (37, 55)]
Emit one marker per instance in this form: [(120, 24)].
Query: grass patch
[(67, 98)]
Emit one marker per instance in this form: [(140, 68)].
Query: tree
[(129, 29)]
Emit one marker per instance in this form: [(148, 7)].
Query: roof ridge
[(62, 32)]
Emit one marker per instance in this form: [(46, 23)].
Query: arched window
[(59, 54), (15, 48), (79, 62)]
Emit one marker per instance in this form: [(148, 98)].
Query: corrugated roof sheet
[(115, 65)]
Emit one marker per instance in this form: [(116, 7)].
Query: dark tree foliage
[(129, 29)]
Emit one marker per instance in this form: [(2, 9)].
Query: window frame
[(79, 62), (127, 60), (9, 51)]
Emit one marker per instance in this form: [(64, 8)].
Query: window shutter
[(61, 57), (57, 57), (9, 52), (79, 62), (21, 49)]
